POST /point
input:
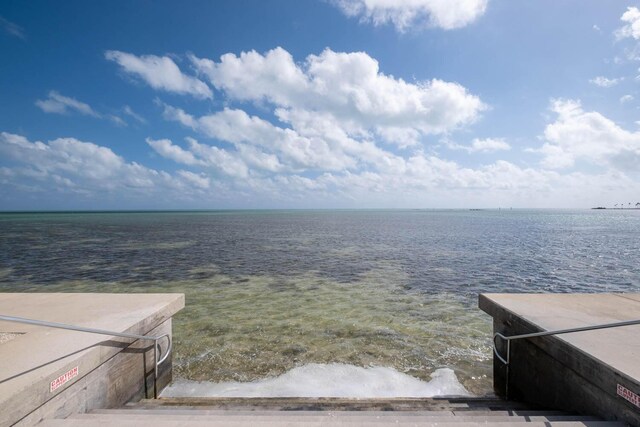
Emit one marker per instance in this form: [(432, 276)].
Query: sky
[(304, 104)]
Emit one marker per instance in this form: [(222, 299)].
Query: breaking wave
[(328, 380)]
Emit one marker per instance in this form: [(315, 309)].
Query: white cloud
[(160, 72), (226, 162), (129, 112), (352, 151), (631, 28), (201, 155), (489, 145), (334, 130), (167, 149), (605, 82), (67, 164), (240, 129), (260, 160), (445, 14), (347, 86), (58, 104), (485, 145), (588, 136), (251, 76), (12, 29), (335, 109), (375, 177), (63, 155), (198, 180), (432, 182), (403, 137), (626, 98), (118, 121)]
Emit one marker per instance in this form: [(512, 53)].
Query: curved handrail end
[(168, 351), (495, 347)]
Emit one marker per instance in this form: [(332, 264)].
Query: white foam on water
[(328, 380)]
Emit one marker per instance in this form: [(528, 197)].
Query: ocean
[(357, 303)]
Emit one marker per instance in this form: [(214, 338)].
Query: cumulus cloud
[(68, 165), (228, 163), (197, 154), (578, 135), (370, 174), (489, 144), (67, 155), (58, 104), (445, 14), (631, 27), (84, 167), (348, 86), (198, 180), (431, 181), (160, 72), (335, 128), (242, 130), (605, 82), (167, 149), (485, 145), (336, 112)]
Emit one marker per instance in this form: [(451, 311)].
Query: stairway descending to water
[(316, 412)]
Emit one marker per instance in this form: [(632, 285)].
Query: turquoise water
[(272, 291)]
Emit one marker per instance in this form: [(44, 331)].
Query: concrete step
[(179, 410), (373, 418), (397, 404), (261, 413), (482, 401), (327, 412), (329, 422)]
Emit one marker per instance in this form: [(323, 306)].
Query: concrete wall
[(552, 373), (51, 373), (127, 376)]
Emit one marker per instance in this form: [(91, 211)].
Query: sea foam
[(328, 380)]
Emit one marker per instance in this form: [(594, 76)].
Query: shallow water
[(271, 291)]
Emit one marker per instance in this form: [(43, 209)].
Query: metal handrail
[(159, 358), (556, 332), (546, 333)]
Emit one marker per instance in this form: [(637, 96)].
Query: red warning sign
[(62, 379), (627, 394)]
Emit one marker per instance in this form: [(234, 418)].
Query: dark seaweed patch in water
[(487, 251), (294, 350)]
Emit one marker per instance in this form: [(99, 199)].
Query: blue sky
[(319, 104)]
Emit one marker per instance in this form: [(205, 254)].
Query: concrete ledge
[(49, 372), (575, 372)]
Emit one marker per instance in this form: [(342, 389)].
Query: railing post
[(506, 383), (155, 369)]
